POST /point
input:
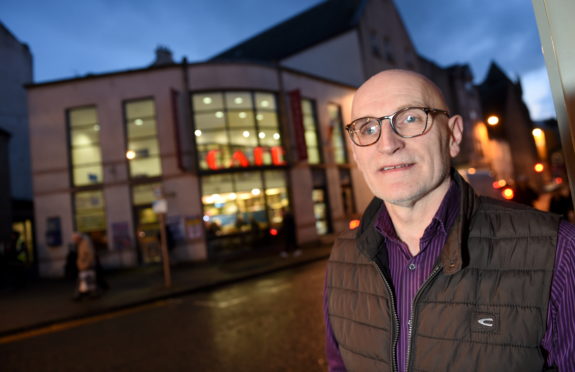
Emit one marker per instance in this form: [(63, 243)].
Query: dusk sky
[(72, 38)]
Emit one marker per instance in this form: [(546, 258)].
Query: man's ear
[(455, 125)]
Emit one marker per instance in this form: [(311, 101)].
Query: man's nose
[(389, 142)]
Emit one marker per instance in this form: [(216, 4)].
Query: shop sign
[(240, 159)]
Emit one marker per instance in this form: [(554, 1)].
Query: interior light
[(256, 192), (96, 128), (219, 114), (276, 136), (265, 103), (260, 117), (246, 134), (273, 191), (238, 100), (539, 167), (207, 100), (471, 171), (233, 196), (198, 132), (130, 154), (242, 115), (262, 135), (139, 122)]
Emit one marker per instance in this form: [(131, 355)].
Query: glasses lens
[(410, 122), (365, 131)]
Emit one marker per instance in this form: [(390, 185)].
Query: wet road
[(271, 323)]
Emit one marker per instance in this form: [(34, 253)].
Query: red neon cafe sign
[(240, 159)]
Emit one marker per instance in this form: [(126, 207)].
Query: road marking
[(58, 327)]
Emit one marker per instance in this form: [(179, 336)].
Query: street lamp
[(539, 138), (493, 120)]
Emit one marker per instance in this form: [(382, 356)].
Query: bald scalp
[(395, 81)]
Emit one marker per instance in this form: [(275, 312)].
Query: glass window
[(320, 211), (240, 202), (145, 194), (237, 129), (143, 150), (85, 153), (337, 139), (90, 216), (310, 131)]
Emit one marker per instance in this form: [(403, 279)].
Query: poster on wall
[(53, 231), (194, 229), (175, 229), (121, 235)]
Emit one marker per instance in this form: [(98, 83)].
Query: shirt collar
[(441, 222)]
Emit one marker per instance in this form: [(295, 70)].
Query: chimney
[(163, 56)]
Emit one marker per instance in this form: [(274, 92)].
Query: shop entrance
[(147, 234)]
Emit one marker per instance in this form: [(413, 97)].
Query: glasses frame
[(350, 128)]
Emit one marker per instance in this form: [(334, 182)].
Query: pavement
[(44, 303)]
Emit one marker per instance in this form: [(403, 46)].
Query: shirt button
[(411, 266)]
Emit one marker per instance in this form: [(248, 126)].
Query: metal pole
[(165, 255)]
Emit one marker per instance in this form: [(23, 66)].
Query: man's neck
[(410, 221)]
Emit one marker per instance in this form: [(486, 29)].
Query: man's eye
[(368, 129), (410, 119)]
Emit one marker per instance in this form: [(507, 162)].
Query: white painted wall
[(338, 59)]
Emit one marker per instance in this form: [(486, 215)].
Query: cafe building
[(219, 151)]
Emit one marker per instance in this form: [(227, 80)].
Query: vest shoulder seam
[(500, 344), (504, 270), (527, 307), (358, 322), (348, 349), (501, 237), (355, 291), (341, 262)]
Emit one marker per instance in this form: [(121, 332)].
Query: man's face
[(404, 171)]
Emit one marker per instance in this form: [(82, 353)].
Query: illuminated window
[(237, 129), (310, 131), (143, 151), (337, 140), (320, 211), (147, 223), (241, 202), (85, 153), (90, 215)]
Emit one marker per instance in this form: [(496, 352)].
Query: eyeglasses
[(408, 122)]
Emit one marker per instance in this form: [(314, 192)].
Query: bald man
[(437, 278)]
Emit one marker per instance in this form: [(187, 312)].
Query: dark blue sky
[(71, 38)]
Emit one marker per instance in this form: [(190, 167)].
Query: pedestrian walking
[(86, 284)]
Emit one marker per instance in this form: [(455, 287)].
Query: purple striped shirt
[(408, 274)]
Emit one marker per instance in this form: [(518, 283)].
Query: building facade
[(230, 146), (16, 189)]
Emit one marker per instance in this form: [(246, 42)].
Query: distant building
[(15, 72), (341, 40), (510, 149), (228, 145)]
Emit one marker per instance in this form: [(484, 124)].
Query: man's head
[(398, 170), (76, 237)]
